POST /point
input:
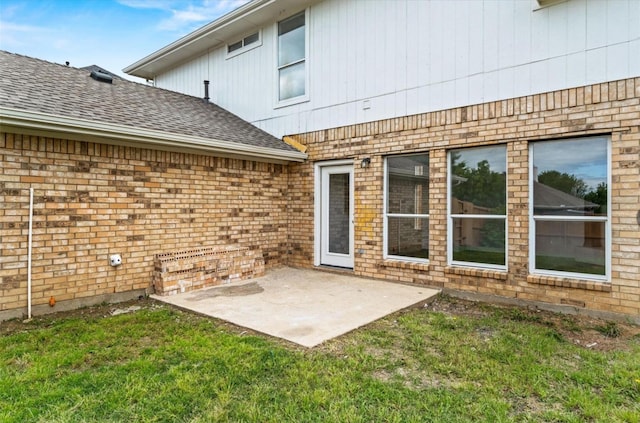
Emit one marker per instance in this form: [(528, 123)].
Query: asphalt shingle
[(39, 86)]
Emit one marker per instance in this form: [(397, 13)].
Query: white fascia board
[(251, 15), (140, 137), (138, 68)]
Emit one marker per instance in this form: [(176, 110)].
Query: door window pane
[(339, 213)]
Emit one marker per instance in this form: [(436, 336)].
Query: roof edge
[(135, 69), (139, 137), (250, 16)]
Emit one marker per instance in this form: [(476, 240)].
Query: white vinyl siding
[(371, 60)]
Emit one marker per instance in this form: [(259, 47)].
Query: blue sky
[(109, 33)]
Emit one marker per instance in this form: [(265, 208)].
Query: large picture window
[(478, 207), (292, 57), (570, 207), (407, 207)]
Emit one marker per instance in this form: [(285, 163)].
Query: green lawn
[(158, 364)]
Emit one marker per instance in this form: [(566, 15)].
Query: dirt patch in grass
[(92, 312), (585, 331)]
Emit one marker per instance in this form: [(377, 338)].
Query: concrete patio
[(303, 306)]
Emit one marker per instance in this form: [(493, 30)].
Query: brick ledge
[(569, 283), (401, 264), (481, 273)]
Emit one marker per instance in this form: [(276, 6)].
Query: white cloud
[(148, 4), (183, 19), (184, 15), (12, 27), (12, 34)]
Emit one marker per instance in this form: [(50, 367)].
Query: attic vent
[(102, 77)]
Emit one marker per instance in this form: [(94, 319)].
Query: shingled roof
[(546, 199), (40, 95)]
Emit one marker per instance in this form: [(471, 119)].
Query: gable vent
[(102, 77)]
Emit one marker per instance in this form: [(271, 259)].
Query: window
[(569, 207), (477, 207), (407, 207), (247, 43), (292, 57)]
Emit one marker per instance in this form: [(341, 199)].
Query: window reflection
[(407, 208), (570, 205), (577, 247), (291, 57), (292, 81), (570, 177), (478, 186)]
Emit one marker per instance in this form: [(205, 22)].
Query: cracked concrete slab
[(303, 306)]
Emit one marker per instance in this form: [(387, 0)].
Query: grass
[(160, 364), (609, 329)]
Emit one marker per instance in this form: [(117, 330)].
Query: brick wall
[(93, 200), (611, 109)]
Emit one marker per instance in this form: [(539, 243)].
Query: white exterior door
[(336, 216)]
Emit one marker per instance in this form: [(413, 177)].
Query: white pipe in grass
[(29, 253)]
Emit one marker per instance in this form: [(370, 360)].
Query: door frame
[(317, 232)]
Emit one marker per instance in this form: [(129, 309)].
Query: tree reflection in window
[(570, 206), (478, 197)]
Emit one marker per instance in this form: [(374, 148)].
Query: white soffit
[(250, 17)]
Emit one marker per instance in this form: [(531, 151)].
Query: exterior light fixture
[(365, 162)]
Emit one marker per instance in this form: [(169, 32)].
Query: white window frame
[(533, 219), (451, 217), (387, 215), (301, 98), (245, 47)]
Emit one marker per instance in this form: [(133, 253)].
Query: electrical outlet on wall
[(115, 260)]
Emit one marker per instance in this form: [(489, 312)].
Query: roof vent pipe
[(206, 90)]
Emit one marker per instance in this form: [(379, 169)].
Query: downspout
[(29, 253)]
